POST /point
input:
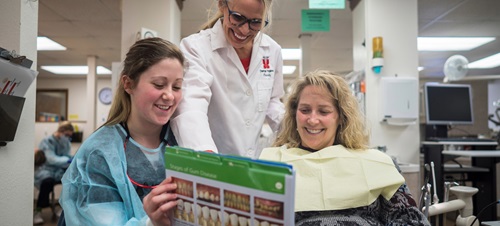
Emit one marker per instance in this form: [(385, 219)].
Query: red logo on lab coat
[(265, 62), (266, 70)]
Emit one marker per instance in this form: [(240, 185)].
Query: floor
[(47, 217), (46, 212)]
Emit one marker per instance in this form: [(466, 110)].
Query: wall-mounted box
[(15, 79), (11, 108), (399, 100)]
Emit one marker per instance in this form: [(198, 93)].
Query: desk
[(475, 153), (482, 173)]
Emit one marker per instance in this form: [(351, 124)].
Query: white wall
[(493, 95), (396, 22), (163, 16), (19, 23)]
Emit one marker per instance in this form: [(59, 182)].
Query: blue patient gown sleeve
[(96, 190)]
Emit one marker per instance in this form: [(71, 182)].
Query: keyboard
[(460, 139)]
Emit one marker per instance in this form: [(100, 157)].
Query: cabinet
[(481, 172)]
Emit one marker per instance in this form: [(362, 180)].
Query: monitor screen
[(11, 108), (448, 104)]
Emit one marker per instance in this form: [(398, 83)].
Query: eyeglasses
[(238, 20), (132, 180)]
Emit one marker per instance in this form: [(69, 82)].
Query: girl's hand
[(160, 201)]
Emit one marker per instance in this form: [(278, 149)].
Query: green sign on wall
[(315, 20), (327, 4)]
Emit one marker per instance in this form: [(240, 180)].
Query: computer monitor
[(448, 104), (11, 108)]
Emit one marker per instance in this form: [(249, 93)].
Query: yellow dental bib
[(337, 178)]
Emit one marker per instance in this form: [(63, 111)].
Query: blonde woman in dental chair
[(339, 180)]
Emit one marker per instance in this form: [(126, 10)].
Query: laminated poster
[(223, 190)]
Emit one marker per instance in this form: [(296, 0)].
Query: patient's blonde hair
[(351, 132)]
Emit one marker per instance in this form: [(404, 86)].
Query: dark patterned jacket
[(401, 209)]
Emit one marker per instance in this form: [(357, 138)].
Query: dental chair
[(463, 204)]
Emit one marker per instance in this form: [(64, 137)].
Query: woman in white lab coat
[(233, 83)]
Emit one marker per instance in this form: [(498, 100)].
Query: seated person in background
[(57, 151), (39, 159), (339, 181), (118, 175)]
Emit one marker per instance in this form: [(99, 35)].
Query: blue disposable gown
[(57, 151), (96, 189)]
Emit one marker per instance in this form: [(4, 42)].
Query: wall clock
[(106, 95)]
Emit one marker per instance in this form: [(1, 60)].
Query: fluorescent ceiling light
[(487, 62), (451, 43), (74, 70), (44, 43), (420, 68), (288, 69), (291, 54)]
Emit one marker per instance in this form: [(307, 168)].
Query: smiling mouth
[(239, 37), (163, 107), (314, 131)]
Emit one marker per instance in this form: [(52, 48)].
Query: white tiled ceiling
[(93, 27)]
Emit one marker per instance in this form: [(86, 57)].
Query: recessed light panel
[(487, 62), (451, 43), (47, 44), (74, 70)]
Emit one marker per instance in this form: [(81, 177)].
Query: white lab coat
[(223, 109)]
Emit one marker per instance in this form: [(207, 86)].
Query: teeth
[(163, 107), (239, 37), (314, 131)]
